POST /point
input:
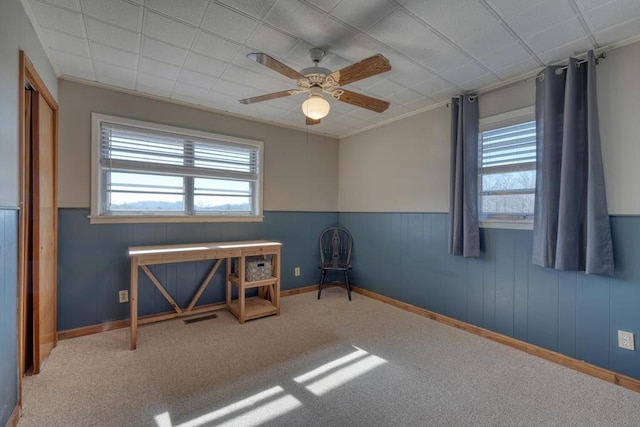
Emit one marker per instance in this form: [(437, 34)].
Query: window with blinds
[(507, 168), (146, 169)]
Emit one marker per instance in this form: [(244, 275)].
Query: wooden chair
[(335, 254)]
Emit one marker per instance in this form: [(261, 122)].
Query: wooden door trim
[(27, 72)]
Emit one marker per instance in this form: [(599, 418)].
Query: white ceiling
[(194, 51)]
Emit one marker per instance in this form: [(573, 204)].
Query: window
[(162, 173), (507, 166)]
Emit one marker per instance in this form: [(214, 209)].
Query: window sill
[(510, 224), (139, 219)]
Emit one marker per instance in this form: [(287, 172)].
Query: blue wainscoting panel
[(8, 313), (568, 312), (93, 264)]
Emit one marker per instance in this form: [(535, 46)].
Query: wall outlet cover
[(626, 340), (123, 296)]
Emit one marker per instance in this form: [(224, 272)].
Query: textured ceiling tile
[(463, 73), (433, 85), (108, 54), (421, 103), (163, 52), (117, 12), (155, 85), (385, 88), (233, 89), (556, 36), (215, 47), (362, 15), (540, 16), (619, 32), (160, 69), (67, 43), (113, 36), (58, 19), (168, 30), (69, 4), (115, 76), (613, 14), (485, 42), (194, 78), (509, 8), (465, 21), (257, 9), (517, 68), (205, 65), (480, 81), (504, 57), (311, 25), (223, 21), (67, 62), (417, 41), (561, 53), (270, 41), (406, 73), (325, 5), (404, 97), (189, 11), (187, 91)]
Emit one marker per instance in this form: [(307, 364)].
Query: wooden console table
[(266, 303)]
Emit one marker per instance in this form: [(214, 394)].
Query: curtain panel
[(464, 232), (571, 222)]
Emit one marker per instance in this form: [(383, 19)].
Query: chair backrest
[(335, 246)]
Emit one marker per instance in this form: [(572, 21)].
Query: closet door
[(44, 231)]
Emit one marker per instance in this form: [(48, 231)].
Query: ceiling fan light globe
[(316, 107)]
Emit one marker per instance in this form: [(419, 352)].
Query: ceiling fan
[(316, 80)]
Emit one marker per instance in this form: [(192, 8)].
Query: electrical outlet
[(123, 296), (626, 341), (296, 271)]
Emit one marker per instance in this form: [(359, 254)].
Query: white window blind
[(171, 171)]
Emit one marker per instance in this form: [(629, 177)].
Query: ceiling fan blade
[(265, 97), (311, 121), (364, 101), (275, 65), (371, 66)]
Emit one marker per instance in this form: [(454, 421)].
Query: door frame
[(28, 73)]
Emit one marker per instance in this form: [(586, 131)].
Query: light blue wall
[(404, 256), (8, 313), (93, 263)]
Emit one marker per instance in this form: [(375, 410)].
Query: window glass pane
[(222, 195), (512, 204), (144, 192), (521, 180)]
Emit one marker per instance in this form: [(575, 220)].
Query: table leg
[(133, 302), (241, 279)]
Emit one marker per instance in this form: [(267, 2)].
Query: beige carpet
[(320, 363)]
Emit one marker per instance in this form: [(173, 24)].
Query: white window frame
[(97, 185), (510, 118)]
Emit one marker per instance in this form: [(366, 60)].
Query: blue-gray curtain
[(464, 232), (571, 228)]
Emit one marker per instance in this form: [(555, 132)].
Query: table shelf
[(255, 307), (267, 302)]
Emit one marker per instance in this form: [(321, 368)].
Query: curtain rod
[(535, 75)]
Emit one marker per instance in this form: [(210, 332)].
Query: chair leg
[(323, 273), (346, 279)]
